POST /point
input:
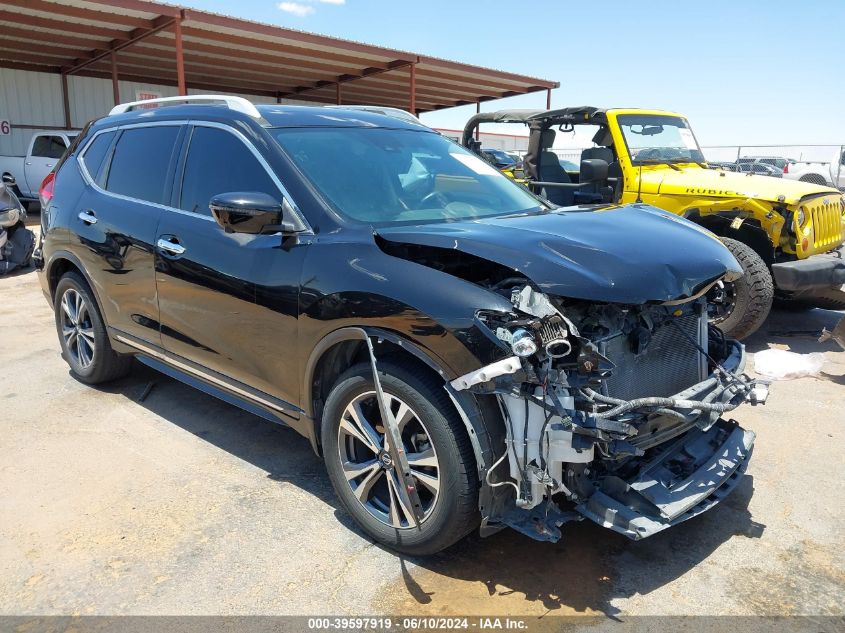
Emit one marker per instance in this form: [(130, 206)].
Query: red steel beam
[(412, 88), (58, 9), (180, 57), (62, 26), (65, 101), (115, 88), (159, 24)]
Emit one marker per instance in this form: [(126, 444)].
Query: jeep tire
[(746, 301)]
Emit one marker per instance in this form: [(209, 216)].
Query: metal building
[(64, 62)]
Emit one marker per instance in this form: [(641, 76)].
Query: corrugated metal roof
[(226, 53)]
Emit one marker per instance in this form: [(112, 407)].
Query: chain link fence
[(822, 164)]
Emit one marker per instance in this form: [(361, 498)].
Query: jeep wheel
[(739, 307), (82, 334), (438, 449)]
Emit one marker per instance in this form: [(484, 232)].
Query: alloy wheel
[(721, 301), (369, 468), (77, 329)]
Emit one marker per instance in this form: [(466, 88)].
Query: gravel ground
[(180, 504)]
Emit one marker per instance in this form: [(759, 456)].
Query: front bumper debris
[(688, 478), (818, 271)]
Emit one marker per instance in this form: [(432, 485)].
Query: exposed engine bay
[(612, 412)]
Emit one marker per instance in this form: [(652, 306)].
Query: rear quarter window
[(95, 154), (141, 163)]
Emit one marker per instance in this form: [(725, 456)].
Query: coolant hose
[(639, 403)]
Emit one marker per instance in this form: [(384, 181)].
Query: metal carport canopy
[(168, 44)]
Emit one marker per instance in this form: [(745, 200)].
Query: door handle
[(87, 217), (170, 246)]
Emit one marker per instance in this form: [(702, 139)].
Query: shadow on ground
[(588, 568), (797, 330), (582, 573)]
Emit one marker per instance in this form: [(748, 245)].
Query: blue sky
[(750, 72)]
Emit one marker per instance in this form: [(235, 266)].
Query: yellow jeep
[(786, 234)]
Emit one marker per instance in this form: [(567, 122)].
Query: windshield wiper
[(658, 161), (701, 164)]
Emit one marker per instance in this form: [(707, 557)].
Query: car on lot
[(498, 158), (24, 174), (761, 169), (461, 353), (787, 235), (821, 173)]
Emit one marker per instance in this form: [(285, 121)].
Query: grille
[(670, 363), (826, 214)]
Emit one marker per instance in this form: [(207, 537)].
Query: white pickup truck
[(26, 173), (832, 173)]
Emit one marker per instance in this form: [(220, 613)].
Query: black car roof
[(273, 115)]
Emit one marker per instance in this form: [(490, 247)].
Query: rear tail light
[(45, 193), (786, 168)]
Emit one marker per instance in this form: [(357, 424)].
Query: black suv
[(459, 351)]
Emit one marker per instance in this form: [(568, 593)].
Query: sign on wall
[(5, 127), (143, 95)]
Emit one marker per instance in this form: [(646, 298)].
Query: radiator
[(670, 364)]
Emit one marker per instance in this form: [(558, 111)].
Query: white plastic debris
[(778, 364), (489, 372)]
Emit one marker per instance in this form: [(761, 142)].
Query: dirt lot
[(180, 504)]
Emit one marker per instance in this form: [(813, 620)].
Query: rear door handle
[(88, 217), (170, 245)]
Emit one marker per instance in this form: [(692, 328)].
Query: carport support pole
[(549, 99), (339, 93), (180, 59), (65, 101), (115, 88), (412, 102), (477, 111)]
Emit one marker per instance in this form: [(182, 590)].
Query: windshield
[(659, 139), (382, 176)]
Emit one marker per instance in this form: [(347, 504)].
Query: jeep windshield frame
[(659, 139), (378, 176)]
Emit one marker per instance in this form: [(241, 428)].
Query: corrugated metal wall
[(30, 98)]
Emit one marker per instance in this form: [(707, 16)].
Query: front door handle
[(88, 217), (170, 246)]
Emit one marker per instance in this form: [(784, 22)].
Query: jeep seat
[(550, 170)]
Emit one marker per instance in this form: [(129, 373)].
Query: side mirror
[(8, 179), (247, 212), (593, 170)]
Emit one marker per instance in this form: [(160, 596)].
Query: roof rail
[(233, 103)]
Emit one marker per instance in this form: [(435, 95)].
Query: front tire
[(438, 449), (82, 334), (740, 307)]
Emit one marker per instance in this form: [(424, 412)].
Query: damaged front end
[(612, 412)]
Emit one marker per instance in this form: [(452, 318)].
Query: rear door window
[(96, 153), (141, 163), (47, 146), (218, 162)]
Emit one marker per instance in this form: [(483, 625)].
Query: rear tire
[(748, 299), (452, 511), (815, 179), (82, 334)]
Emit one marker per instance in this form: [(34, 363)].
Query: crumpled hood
[(628, 254), (713, 183)]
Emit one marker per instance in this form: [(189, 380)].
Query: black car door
[(207, 279), (129, 171)]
